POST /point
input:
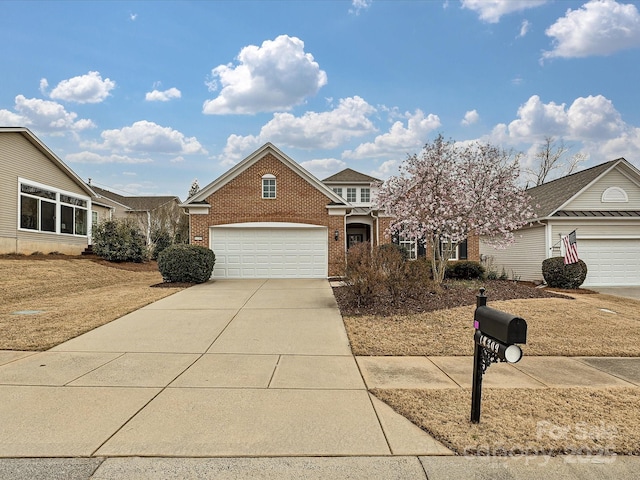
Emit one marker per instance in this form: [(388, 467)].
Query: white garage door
[(269, 250), (611, 262)]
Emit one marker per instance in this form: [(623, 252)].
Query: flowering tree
[(452, 190)]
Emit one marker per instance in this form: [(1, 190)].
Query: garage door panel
[(611, 262), (273, 252)]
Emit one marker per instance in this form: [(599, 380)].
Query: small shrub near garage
[(186, 263), (559, 275), (119, 240), (464, 270)]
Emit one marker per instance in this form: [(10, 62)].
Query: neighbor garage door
[(269, 250), (611, 262)]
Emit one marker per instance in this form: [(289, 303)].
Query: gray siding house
[(602, 204)]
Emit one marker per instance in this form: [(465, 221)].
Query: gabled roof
[(35, 141), (136, 203), (267, 148), (550, 197), (350, 176)]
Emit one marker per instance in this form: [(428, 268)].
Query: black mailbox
[(502, 326)]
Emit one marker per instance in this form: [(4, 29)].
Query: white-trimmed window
[(47, 209), (268, 186), (365, 195), (459, 251), (338, 190), (351, 194), (410, 245)]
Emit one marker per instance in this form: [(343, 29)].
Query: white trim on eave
[(35, 141), (252, 159), (586, 187)]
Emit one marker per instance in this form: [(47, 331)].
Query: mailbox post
[(495, 338)]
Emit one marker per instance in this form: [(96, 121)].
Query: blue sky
[(144, 97)]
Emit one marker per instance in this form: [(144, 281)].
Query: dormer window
[(365, 195), (268, 186), (351, 195)]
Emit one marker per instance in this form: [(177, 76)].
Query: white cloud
[(386, 169), (237, 148), (399, 140), (164, 96), (594, 118), (94, 158), (44, 84), (588, 119), (524, 28), (323, 167), (537, 119), (275, 76), (145, 136), (626, 145), (10, 119), (491, 10), (358, 6), (470, 118), (313, 130), (46, 116), (178, 159), (597, 28), (89, 88)]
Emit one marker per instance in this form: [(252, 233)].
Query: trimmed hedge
[(559, 275), (186, 263), (464, 270)]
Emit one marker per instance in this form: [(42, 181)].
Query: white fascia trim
[(197, 209), (586, 187), (268, 225), (253, 158), (52, 156)]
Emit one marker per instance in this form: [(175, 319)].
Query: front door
[(354, 238)]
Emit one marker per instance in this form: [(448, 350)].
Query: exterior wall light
[(336, 235)]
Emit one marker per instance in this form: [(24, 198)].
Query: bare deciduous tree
[(552, 161)]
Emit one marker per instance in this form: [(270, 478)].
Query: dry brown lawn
[(547, 421), (556, 326), (581, 421), (75, 295)]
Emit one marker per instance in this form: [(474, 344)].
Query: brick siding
[(296, 201)]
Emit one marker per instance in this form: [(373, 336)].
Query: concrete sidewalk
[(226, 368), (530, 372), (254, 379)]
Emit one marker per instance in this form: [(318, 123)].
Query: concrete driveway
[(628, 292), (226, 368)]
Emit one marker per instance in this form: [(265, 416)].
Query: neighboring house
[(602, 204), (267, 217), (46, 207), (151, 213)]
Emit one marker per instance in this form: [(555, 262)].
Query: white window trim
[(269, 176), (410, 244), (368, 190), (58, 203), (614, 195), (355, 194)]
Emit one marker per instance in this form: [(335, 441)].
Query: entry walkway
[(226, 368)]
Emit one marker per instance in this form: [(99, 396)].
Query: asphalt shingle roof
[(142, 203), (548, 197), (350, 176)]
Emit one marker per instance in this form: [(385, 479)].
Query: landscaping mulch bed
[(450, 295)]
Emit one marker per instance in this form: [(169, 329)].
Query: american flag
[(570, 248)]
